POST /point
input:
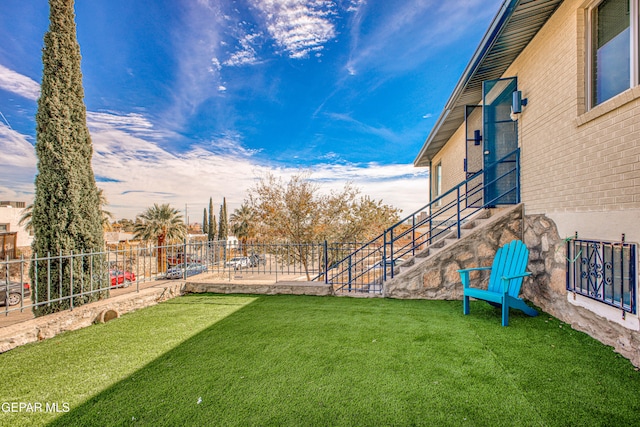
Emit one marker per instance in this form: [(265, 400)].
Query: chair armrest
[(505, 280), (473, 269), (525, 274), (464, 275)]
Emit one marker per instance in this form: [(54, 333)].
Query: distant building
[(114, 237), (12, 234)]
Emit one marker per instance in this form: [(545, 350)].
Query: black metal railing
[(603, 271), (72, 279), (368, 267)]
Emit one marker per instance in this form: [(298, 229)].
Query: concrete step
[(469, 227)]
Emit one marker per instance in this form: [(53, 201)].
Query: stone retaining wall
[(279, 288), (51, 325)]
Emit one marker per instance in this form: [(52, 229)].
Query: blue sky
[(191, 99)]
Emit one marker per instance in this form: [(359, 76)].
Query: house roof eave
[(514, 26)]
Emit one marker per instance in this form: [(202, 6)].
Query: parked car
[(16, 291), (239, 262), (178, 258), (178, 271), (121, 278), (255, 260)]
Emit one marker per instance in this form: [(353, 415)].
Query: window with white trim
[(438, 180), (612, 49)]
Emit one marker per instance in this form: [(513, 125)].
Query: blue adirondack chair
[(507, 274)]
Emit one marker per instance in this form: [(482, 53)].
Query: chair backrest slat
[(511, 259)]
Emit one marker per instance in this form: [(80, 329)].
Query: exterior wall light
[(517, 104)]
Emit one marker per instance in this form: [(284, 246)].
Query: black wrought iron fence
[(68, 280), (603, 271)]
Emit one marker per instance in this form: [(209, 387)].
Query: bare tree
[(298, 212)]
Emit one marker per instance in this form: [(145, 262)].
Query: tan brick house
[(554, 87)]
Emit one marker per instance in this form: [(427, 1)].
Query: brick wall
[(452, 158), (579, 167)]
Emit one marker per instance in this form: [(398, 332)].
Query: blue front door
[(500, 142)]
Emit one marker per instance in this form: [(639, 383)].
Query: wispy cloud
[(298, 27), (19, 84), (365, 128), (404, 26), (246, 53), (17, 165), (228, 145), (16, 149), (196, 44), (131, 122)]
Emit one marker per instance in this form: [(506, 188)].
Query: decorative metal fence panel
[(68, 280), (603, 271)]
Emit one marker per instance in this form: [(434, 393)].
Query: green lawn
[(320, 361)]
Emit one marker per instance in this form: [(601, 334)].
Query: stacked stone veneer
[(80, 317), (436, 277), (547, 289), (279, 288)]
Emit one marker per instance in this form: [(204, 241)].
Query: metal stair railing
[(366, 268)]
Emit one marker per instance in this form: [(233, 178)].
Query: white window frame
[(634, 79), (438, 180)]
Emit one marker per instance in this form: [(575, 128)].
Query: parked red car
[(121, 278)]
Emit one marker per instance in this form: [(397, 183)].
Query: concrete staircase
[(477, 221), (480, 236)]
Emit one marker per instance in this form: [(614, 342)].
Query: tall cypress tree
[(205, 224), (66, 210), (212, 222), (223, 225)]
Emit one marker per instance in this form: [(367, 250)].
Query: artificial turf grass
[(74, 366), (336, 361), (303, 363)]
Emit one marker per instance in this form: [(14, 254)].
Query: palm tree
[(242, 224), (107, 216), (25, 219), (163, 223)]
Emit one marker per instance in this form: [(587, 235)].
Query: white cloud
[(17, 165), (246, 54), (427, 116), (16, 149), (354, 5), (298, 26), (19, 84), (135, 172), (365, 128), (131, 122), (222, 88)]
